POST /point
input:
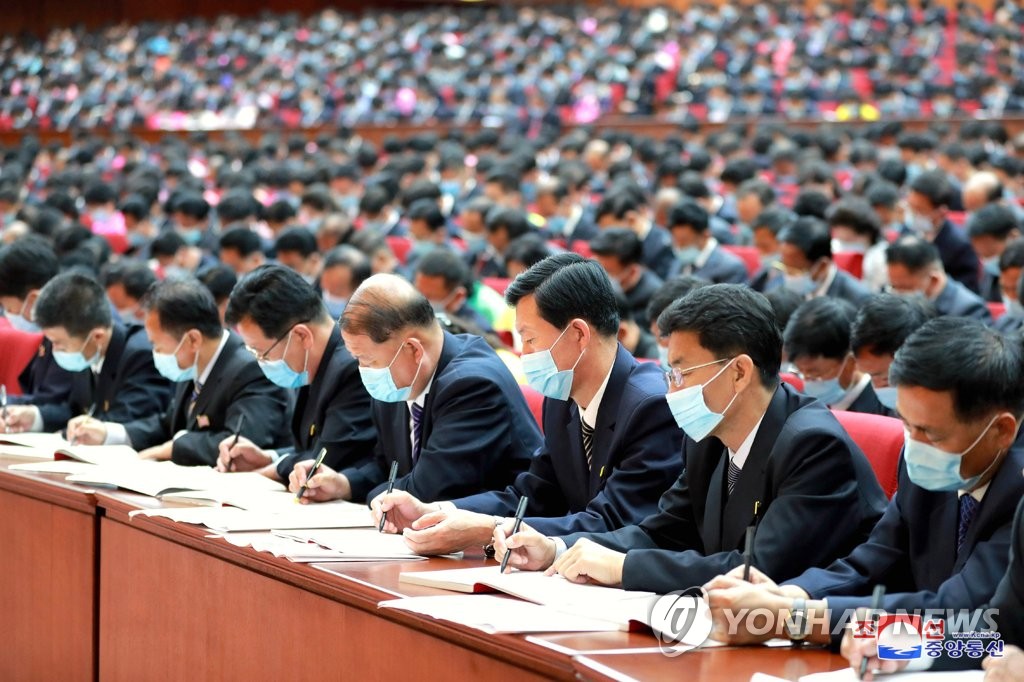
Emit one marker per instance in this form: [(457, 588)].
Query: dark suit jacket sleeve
[(470, 430), (538, 483), (884, 559), (151, 430), (823, 513), (142, 390), (45, 385), (264, 405)]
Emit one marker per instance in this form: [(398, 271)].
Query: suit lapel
[(716, 489), (108, 375), (607, 414), (750, 488), (943, 521), (999, 504), (217, 372)]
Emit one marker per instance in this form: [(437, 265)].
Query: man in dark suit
[(927, 205), (445, 407), (916, 268), (620, 253), (610, 447), (25, 268), (627, 207), (696, 251), (219, 384), (943, 542), (881, 326), (806, 256), (284, 323), (756, 452), (817, 341), (112, 365)]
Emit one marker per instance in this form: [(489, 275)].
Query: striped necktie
[(968, 510), (197, 388), (733, 476), (588, 443), (417, 429)]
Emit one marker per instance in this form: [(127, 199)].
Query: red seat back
[(881, 439), (750, 256), (582, 248), (852, 263), (535, 401), (499, 284), (996, 309), (18, 350), (793, 380), (400, 246)]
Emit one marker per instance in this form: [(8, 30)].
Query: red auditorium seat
[(582, 248), (499, 284), (750, 255), (996, 309), (400, 246), (793, 380), (852, 263), (536, 403), (19, 349), (881, 439)]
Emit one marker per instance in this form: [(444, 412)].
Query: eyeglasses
[(675, 377), (262, 357)]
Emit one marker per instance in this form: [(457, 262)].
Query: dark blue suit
[(333, 411), (657, 251), (477, 431), (45, 385), (640, 295), (958, 256), (721, 267), (955, 300), (844, 286), (818, 497), (868, 403), (912, 550), (128, 386), (636, 457)]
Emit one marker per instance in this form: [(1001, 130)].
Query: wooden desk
[(48, 570), (728, 664)]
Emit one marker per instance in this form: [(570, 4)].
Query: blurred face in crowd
[(307, 266), (875, 366), (748, 207), (337, 281), (239, 263), (442, 296), (904, 281)]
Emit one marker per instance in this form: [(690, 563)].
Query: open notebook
[(630, 610), (39, 445), (163, 478)]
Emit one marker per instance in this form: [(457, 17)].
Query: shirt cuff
[(560, 548), (37, 420), (274, 455), (116, 434), (179, 434)]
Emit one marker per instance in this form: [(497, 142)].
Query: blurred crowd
[(522, 69)]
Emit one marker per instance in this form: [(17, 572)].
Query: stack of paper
[(41, 445), (103, 455), (293, 516), (358, 544), (285, 548), (60, 466), (161, 478), (496, 615)]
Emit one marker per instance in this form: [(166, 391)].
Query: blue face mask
[(167, 365), (542, 373), (938, 470), (887, 396), (192, 236), (381, 385), (687, 256), (335, 305), (75, 361), (278, 371), (556, 224), (692, 414), (22, 323), (827, 391), (801, 284)]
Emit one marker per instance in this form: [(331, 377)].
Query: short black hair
[(298, 240), (811, 235), (774, 219), (428, 211), (983, 369), (75, 302), (811, 202), (617, 203), (528, 249), (242, 240), (166, 244), (992, 220), (935, 186), (620, 243), (913, 253), (25, 264), (355, 260), (512, 220), (1012, 256), (884, 322), (135, 276), (220, 280), (883, 194), (819, 328), (276, 299), (182, 305), (566, 286), (448, 265), (784, 301), (688, 213), (729, 320), (759, 188), (856, 214), (670, 291), (192, 205)]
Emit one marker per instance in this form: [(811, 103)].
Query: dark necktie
[(733, 476), (417, 429), (197, 388), (588, 442), (968, 510)]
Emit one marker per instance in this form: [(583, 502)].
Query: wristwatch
[(796, 623), (489, 547)]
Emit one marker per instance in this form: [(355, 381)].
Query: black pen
[(876, 603), (3, 404), (520, 512), (238, 432), (312, 472), (88, 416), (748, 552), (391, 487)]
